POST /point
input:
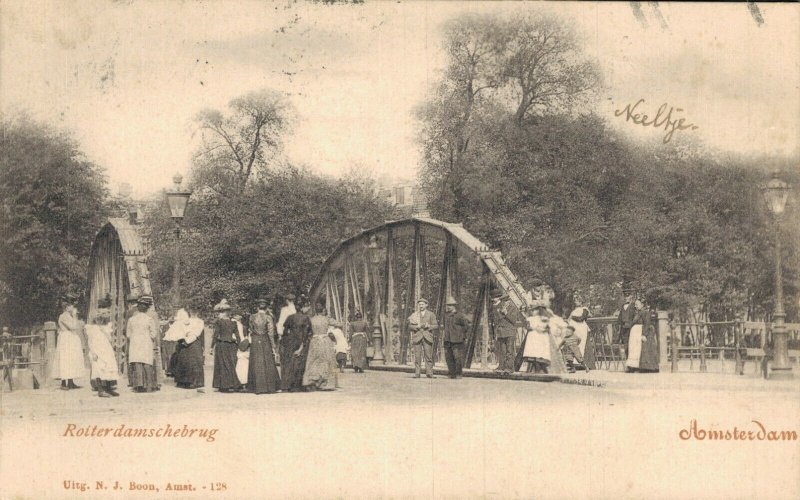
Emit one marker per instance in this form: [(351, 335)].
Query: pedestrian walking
[(422, 324), (456, 329)]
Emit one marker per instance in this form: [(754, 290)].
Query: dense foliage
[(571, 203), (264, 230), (53, 202)]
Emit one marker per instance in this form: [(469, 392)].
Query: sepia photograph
[(399, 249)]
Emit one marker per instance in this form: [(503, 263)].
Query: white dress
[(69, 348), (101, 354), (537, 343)]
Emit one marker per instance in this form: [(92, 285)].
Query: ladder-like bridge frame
[(347, 294)]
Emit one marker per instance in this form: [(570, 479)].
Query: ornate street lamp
[(776, 193), (374, 252), (177, 199)]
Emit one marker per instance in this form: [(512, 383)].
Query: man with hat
[(627, 315), (505, 331), (456, 326), (142, 332), (421, 324)]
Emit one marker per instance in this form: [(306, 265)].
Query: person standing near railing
[(69, 349), (626, 316)]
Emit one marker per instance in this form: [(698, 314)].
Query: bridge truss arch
[(368, 272), (117, 269)]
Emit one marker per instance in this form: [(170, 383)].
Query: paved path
[(388, 435)]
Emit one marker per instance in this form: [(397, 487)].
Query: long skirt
[(262, 375), (320, 370), (143, 376), (643, 352), (70, 363), (187, 365), (168, 348), (358, 351), (292, 368), (225, 366)]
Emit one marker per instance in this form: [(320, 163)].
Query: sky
[(127, 77)]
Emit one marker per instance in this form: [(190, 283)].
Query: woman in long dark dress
[(294, 348), (225, 346), (643, 342), (358, 343), (262, 375), (187, 367)]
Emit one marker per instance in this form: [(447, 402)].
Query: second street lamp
[(178, 199), (776, 193)]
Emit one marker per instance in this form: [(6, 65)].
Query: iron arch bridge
[(383, 271), (117, 269)]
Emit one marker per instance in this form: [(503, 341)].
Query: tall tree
[(52, 205), (240, 142)]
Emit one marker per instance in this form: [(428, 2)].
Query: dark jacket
[(627, 316), (503, 315), (456, 328)]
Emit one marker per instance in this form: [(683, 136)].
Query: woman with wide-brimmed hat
[(225, 346), (69, 349)]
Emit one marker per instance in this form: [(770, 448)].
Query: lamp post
[(374, 253), (177, 198), (776, 193)]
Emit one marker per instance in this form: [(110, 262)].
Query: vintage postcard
[(399, 249)]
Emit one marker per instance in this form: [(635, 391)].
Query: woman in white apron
[(243, 354)]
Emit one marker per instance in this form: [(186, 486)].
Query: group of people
[(141, 331), (638, 335), (310, 347)]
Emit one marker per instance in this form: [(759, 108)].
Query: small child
[(341, 343), (572, 351)]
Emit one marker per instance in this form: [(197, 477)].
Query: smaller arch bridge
[(117, 269), (368, 273)]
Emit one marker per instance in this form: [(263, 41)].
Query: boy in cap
[(571, 349), (421, 324)]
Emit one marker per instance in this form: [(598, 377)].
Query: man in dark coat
[(505, 331), (627, 314), (294, 347), (456, 328)]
